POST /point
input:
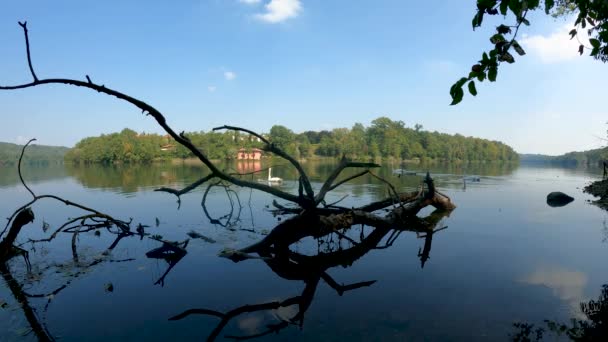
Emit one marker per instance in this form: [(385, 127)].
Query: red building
[(249, 154)]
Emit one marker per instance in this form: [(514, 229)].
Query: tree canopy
[(591, 15)]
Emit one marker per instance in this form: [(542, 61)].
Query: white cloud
[(229, 75), (211, 88), (280, 10), (556, 47), (250, 2)]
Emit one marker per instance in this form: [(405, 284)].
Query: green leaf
[(472, 89), (504, 5), (503, 29), (533, 4), (549, 5), (457, 96), (481, 76), (515, 7), (520, 51), (595, 43), (477, 19), (461, 82), (572, 33), (492, 72), (581, 48), (485, 58), (595, 51), (497, 38), (506, 57)]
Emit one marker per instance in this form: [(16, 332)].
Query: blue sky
[(305, 64)]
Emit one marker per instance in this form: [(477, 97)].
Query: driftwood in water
[(310, 223), (7, 250), (313, 269)]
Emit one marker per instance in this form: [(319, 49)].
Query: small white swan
[(273, 179)]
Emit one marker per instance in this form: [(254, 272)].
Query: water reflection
[(332, 240), (592, 326), (130, 178), (479, 275), (567, 285), (340, 248), (35, 173)]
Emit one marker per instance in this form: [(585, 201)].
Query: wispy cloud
[(211, 88), (229, 75), (250, 2), (557, 46), (280, 10)]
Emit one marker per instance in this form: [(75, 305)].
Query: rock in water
[(558, 199)]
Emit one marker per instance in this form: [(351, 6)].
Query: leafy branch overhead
[(591, 15)]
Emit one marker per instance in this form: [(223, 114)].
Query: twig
[(19, 168), (27, 47), (187, 189), (362, 173)]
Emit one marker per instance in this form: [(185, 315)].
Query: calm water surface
[(506, 256)]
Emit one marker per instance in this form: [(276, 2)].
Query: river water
[(505, 257)]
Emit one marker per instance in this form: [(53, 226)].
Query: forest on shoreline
[(38, 154), (583, 158), (383, 139)]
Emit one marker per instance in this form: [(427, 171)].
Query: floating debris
[(109, 287), (196, 235), (45, 226)]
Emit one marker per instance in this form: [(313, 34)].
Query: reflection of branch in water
[(424, 255), (594, 328), (21, 296), (228, 217), (30, 314), (24, 215), (291, 265), (303, 301), (172, 253)]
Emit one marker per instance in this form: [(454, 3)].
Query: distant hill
[(588, 158), (9, 153)]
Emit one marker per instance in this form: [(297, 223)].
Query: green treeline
[(40, 154), (384, 139), (584, 158)]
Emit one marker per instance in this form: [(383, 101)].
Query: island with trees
[(384, 139)]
